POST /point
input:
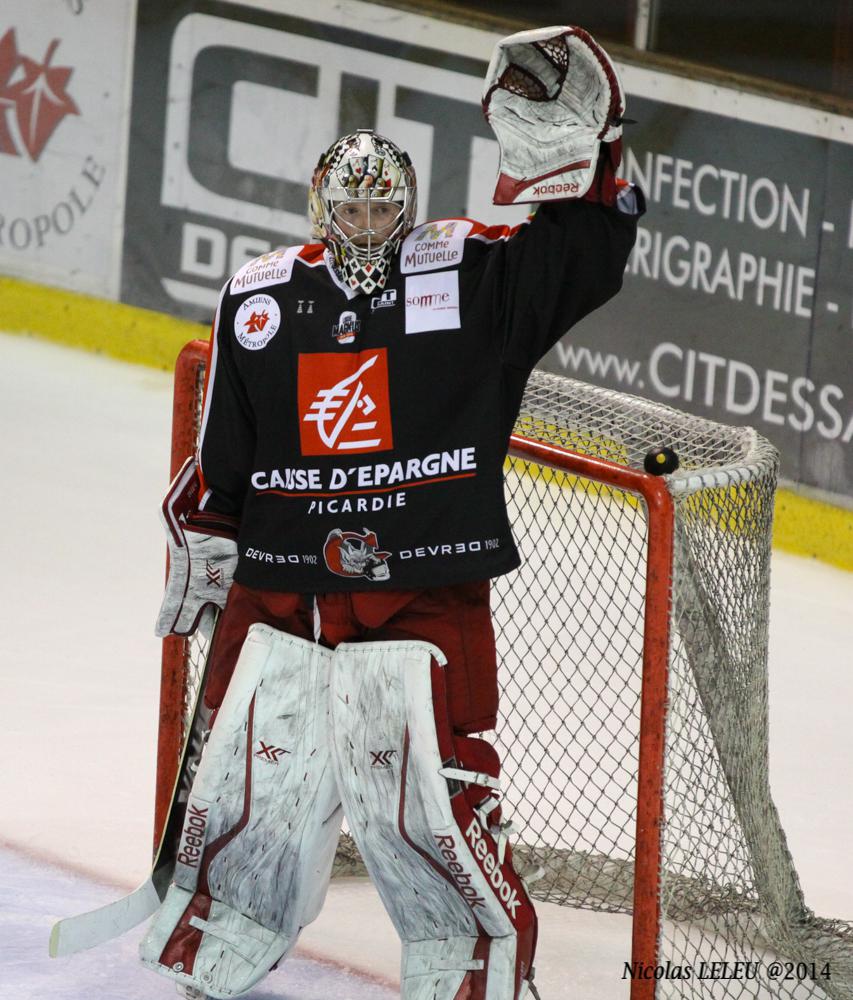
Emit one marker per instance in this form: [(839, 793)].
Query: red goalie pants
[(457, 619)]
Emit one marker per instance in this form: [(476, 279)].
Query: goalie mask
[(362, 204)]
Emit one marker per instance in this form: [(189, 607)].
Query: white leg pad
[(230, 952), (466, 922), (261, 827)]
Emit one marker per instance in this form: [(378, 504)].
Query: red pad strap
[(210, 523), (605, 185)]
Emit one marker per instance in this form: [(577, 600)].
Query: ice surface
[(33, 895), (84, 465)]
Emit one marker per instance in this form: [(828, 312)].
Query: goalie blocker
[(202, 555)]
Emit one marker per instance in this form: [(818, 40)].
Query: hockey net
[(633, 651)]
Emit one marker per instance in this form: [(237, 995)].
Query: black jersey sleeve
[(566, 262), (228, 431)]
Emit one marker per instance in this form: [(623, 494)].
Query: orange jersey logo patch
[(344, 405)]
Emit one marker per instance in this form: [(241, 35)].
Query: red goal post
[(632, 646), (655, 652)]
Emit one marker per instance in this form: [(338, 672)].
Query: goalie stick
[(85, 930)]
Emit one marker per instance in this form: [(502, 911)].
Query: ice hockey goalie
[(353, 671)]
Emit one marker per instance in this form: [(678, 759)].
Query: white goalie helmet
[(362, 204)]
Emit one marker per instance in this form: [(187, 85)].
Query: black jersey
[(360, 439)]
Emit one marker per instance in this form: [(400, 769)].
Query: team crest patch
[(257, 322), (348, 553), (347, 326)]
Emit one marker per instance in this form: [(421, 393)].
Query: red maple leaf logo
[(8, 62), (33, 98)]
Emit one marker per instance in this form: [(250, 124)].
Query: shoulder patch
[(257, 321), (492, 234), (312, 254), (433, 245), (271, 268)]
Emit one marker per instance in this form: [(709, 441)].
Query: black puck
[(660, 461)]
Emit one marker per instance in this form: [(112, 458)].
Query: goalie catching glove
[(202, 555), (552, 98)]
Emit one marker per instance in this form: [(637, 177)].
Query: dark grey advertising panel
[(738, 297), (232, 107)]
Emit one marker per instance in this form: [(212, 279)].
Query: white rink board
[(62, 185)]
